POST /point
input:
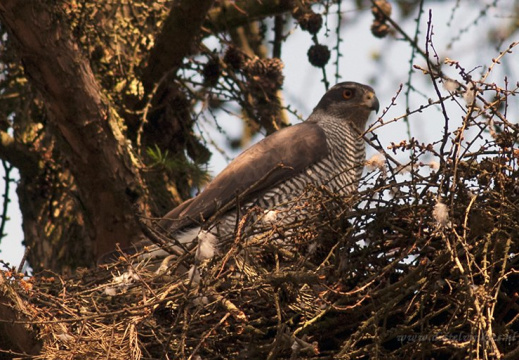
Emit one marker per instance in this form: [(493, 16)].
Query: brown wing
[(272, 160)]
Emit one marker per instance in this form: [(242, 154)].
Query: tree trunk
[(86, 128)]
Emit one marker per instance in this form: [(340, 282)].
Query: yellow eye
[(347, 94)]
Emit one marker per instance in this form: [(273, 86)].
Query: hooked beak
[(371, 101)]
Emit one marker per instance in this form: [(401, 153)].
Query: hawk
[(325, 150)]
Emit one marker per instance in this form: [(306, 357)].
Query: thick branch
[(231, 14), (176, 38), (87, 129)]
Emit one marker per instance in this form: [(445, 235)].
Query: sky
[(461, 35)]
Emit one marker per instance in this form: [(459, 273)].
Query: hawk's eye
[(347, 94)]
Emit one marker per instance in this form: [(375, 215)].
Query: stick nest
[(412, 266)]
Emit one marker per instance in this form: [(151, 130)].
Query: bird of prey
[(325, 150)]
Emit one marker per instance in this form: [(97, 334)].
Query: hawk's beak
[(372, 101)]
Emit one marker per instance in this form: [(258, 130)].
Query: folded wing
[(274, 159)]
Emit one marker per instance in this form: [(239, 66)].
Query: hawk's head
[(350, 101)]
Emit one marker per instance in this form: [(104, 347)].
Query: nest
[(412, 266)]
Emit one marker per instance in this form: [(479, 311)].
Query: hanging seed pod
[(311, 22), (211, 72), (234, 58), (319, 55)]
